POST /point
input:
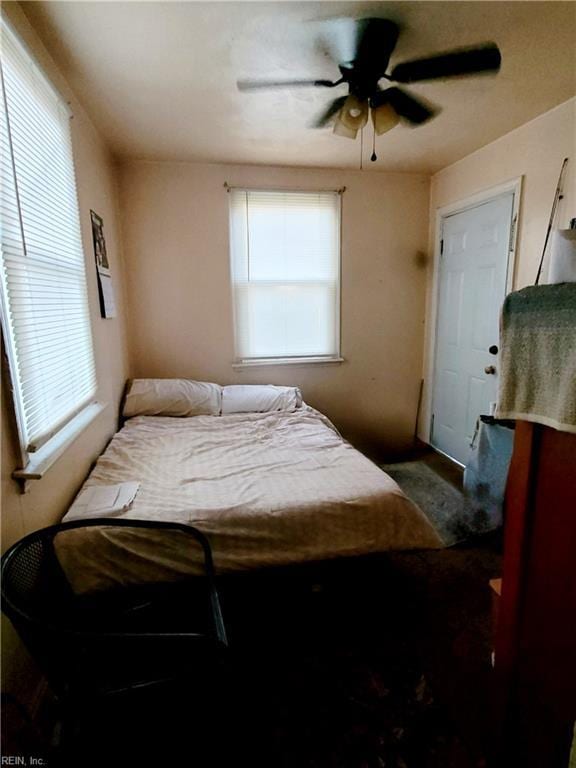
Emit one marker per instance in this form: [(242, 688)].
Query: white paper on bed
[(266, 488), (103, 500)]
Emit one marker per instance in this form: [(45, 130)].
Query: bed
[(268, 487)]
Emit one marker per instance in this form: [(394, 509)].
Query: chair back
[(38, 599), (55, 623)]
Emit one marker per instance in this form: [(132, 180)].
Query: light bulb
[(354, 113)]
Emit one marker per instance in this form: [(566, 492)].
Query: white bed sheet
[(266, 488)]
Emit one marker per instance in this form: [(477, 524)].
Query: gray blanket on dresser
[(538, 356)]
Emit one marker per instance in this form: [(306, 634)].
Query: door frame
[(513, 186)]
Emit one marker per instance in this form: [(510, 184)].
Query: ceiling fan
[(362, 51)]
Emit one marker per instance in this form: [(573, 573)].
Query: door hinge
[(431, 427), (442, 247)]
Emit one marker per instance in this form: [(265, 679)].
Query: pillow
[(172, 397), (258, 398)]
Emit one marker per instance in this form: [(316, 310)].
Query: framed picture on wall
[(105, 291)]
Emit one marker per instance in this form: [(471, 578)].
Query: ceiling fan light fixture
[(384, 118), (340, 129), (361, 49), (354, 113)]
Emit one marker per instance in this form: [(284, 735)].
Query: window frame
[(330, 359), (35, 463)]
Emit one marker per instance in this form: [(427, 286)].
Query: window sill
[(40, 461), (287, 361)]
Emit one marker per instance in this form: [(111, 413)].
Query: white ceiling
[(159, 78)]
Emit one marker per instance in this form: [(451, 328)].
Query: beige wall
[(175, 223), (534, 151), (47, 499)]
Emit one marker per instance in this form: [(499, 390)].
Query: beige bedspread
[(267, 489)]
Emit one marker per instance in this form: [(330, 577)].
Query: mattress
[(266, 488)]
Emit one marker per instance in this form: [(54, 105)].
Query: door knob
[(493, 349), (490, 369)]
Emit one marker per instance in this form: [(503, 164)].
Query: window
[(285, 262), (45, 315)]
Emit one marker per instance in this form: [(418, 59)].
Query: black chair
[(122, 641)]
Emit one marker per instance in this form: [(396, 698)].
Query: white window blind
[(45, 313), (285, 262)]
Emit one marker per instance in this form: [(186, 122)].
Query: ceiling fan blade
[(256, 85), (465, 61), (324, 118), (415, 111), (376, 40)]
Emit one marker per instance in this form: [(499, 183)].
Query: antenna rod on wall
[(557, 197)]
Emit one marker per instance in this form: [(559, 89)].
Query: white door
[(472, 286)]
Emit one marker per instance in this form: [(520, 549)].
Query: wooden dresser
[(535, 653)]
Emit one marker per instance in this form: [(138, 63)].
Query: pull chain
[(361, 147), (373, 156)]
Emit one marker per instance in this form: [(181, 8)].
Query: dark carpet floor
[(367, 663), (453, 516), (377, 662)]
